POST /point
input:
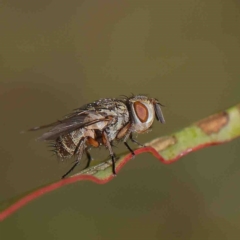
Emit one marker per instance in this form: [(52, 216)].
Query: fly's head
[(143, 110)]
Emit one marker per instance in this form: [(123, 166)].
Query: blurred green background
[(57, 55)]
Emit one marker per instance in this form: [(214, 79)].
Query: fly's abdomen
[(66, 144)]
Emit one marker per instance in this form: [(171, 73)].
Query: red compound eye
[(141, 111)]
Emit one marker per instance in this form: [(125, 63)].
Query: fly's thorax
[(120, 118), (99, 118), (142, 113)]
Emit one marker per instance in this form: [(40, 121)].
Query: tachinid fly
[(101, 123)]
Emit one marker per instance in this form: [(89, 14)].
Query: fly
[(101, 123)]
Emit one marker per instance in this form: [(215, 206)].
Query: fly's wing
[(84, 116), (43, 126), (69, 124), (101, 104)]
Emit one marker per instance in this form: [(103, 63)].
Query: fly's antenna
[(158, 111)]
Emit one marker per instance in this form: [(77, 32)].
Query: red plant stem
[(33, 195)]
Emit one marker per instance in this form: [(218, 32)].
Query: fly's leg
[(89, 158), (135, 141), (108, 145), (128, 147), (126, 144), (79, 150), (71, 169)]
